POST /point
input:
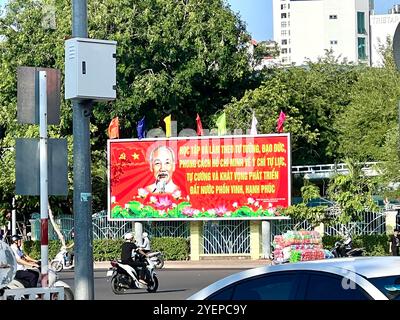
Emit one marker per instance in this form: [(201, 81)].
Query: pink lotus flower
[(221, 210), (188, 211), (163, 203)]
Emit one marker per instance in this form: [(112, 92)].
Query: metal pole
[(44, 194), (266, 238), (84, 280), (13, 218), (138, 232)]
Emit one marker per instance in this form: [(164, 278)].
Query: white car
[(360, 278)]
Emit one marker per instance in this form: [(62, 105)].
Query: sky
[(257, 14)]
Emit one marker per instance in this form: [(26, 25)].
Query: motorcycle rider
[(145, 243), (127, 248), (28, 277), (347, 245)]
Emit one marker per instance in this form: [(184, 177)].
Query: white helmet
[(128, 236), (144, 234)]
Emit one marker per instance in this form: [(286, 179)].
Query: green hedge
[(32, 248), (108, 249), (375, 244), (172, 248)]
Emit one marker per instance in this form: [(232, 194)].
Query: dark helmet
[(16, 237)]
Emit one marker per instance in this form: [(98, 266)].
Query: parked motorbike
[(61, 261), (53, 281), (157, 258), (123, 277), (345, 249)]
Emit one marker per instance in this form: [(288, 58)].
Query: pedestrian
[(395, 242)]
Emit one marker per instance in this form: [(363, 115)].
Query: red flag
[(281, 120), (113, 129), (199, 126)]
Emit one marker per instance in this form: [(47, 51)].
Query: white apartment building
[(305, 29), (382, 27)]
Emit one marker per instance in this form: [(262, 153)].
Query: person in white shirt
[(145, 243), (28, 277)]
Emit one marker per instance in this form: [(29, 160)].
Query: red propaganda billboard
[(198, 178)]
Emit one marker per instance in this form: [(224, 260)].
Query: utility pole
[(84, 280), (44, 181)]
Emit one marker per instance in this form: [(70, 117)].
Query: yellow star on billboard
[(135, 156)]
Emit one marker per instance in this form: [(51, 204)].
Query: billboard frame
[(289, 169)]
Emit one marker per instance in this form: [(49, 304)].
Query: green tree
[(315, 215), (352, 193), (311, 96), (173, 57), (366, 125)]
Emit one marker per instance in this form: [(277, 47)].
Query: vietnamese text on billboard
[(199, 178)]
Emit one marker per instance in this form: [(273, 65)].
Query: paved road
[(174, 284)]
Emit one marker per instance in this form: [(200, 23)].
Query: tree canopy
[(173, 57)]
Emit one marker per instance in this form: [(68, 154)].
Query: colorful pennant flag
[(141, 128), (221, 124), (113, 129), (167, 121), (281, 120), (254, 122), (200, 131)]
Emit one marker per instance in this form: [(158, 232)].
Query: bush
[(109, 249), (374, 244), (32, 248), (172, 248)]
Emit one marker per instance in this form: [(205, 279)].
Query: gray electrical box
[(90, 69)]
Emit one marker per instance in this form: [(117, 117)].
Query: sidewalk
[(203, 264)]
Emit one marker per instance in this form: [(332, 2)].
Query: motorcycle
[(157, 258), (345, 249), (53, 282), (61, 261), (123, 277)]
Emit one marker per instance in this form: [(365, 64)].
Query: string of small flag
[(113, 128)]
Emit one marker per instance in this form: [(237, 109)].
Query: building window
[(284, 51), (283, 33), (284, 42), (283, 15), (333, 16), (361, 49), (361, 23), (283, 6), (283, 24), (333, 41)]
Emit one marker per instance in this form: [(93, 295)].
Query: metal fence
[(226, 237), (105, 229), (219, 237), (371, 223)]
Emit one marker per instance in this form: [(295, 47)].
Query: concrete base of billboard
[(255, 239), (196, 228)]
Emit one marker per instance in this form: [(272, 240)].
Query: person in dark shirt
[(127, 249), (395, 242)]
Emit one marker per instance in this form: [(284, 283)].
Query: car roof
[(368, 267)]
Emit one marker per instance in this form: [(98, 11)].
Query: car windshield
[(390, 286)]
